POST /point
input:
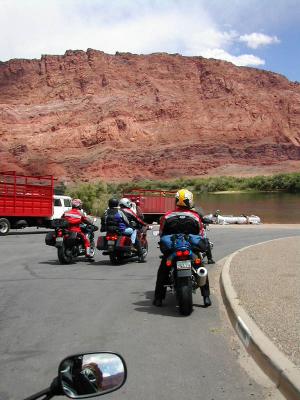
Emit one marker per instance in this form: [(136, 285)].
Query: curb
[(272, 361)]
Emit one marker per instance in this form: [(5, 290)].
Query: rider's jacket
[(133, 218), (115, 220), (181, 220), (75, 217)]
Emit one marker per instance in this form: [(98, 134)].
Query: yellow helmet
[(184, 198)]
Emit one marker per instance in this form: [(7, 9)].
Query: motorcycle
[(70, 244), (187, 273), (86, 375), (119, 247)]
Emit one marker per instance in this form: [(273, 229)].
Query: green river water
[(283, 208)]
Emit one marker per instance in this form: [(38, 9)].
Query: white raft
[(231, 219)]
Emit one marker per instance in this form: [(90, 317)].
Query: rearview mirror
[(92, 374)]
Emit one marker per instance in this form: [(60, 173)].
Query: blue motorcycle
[(183, 256)]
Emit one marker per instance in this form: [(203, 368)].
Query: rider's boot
[(207, 301), (140, 251), (157, 302), (88, 253)]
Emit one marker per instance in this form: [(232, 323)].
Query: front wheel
[(64, 255), (185, 296), (4, 226)]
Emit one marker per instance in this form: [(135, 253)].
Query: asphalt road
[(49, 311)]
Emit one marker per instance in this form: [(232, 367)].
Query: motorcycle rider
[(75, 217), (184, 219), (114, 219), (134, 221), (137, 209), (94, 375)]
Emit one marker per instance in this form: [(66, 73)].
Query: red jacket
[(179, 211), (75, 217), (133, 217)]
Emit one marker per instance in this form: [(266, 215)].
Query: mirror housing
[(91, 374)]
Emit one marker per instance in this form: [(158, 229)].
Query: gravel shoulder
[(266, 278)]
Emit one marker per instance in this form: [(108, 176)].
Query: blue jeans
[(132, 233)]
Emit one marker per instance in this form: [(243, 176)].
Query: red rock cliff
[(92, 115)]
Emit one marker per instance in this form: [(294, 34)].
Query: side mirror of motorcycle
[(92, 374), (155, 233), (86, 375)]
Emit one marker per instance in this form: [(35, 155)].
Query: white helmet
[(124, 202)]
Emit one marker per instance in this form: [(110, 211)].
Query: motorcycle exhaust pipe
[(201, 276)]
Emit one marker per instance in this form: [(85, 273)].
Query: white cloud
[(29, 29), (255, 40), (242, 60)]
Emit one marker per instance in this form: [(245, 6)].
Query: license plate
[(59, 239), (110, 242), (186, 264)]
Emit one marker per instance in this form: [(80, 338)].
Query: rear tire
[(64, 255), (185, 296), (115, 259), (4, 226)]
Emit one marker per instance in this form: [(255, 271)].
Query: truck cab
[(60, 205)]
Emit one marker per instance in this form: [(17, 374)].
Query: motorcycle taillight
[(111, 237), (59, 233), (182, 253)]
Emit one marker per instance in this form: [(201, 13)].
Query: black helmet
[(113, 203)]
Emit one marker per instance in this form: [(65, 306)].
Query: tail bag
[(169, 243)]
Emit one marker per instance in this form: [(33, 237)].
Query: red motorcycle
[(69, 244), (119, 247)]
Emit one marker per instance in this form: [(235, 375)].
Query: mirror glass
[(88, 375)]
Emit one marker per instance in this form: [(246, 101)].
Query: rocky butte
[(91, 115)]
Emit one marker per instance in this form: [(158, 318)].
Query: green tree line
[(95, 195)]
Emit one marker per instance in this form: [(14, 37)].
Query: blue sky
[(256, 33)]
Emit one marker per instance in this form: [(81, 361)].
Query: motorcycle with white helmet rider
[(135, 222)]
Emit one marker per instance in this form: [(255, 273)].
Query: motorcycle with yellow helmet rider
[(183, 220)]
